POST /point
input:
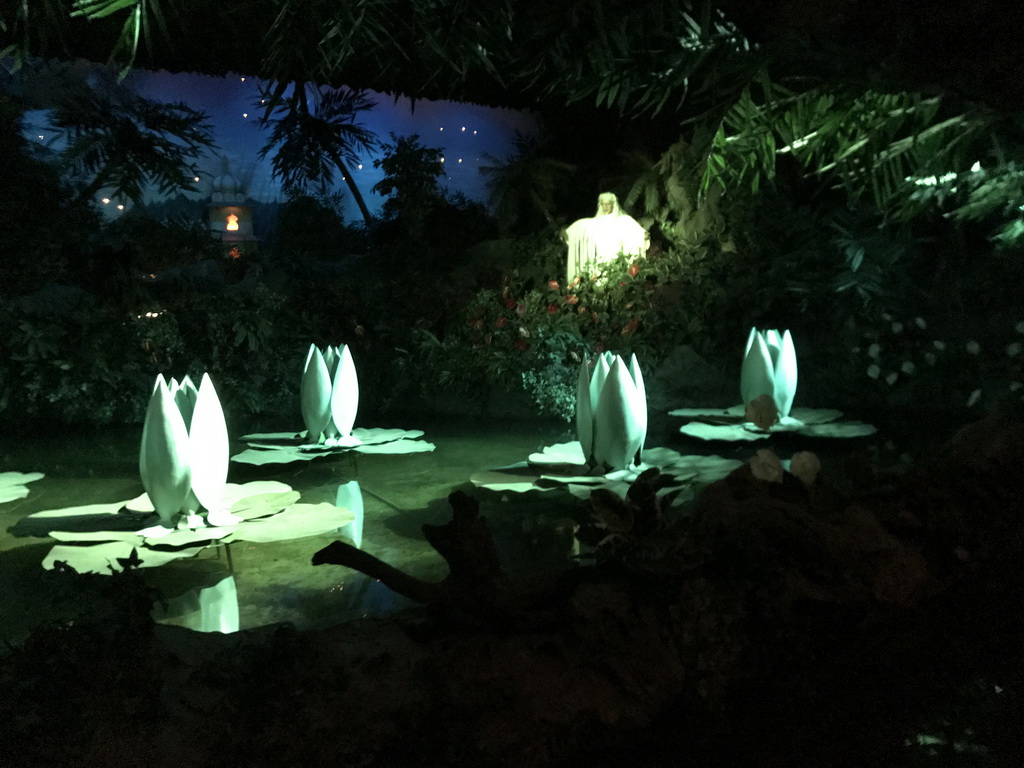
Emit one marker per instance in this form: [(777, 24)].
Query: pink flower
[(552, 309), (501, 322)]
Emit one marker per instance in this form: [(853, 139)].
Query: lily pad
[(561, 467), (13, 485), (295, 522), (102, 558), (287, 447), (93, 537), (730, 424)]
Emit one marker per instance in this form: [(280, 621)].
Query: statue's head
[(607, 204)]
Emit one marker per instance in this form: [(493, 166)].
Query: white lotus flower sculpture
[(768, 385), (183, 459), (769, 368), (330, 396), (611, 411)]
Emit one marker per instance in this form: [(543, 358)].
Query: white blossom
[(920, 323), (939, 345), (890, 379), (1019, 327), (874, 350), (929, 358), (974, 398), (973, 347), (1013, 348), (897, 327), (908, 367), (1016, 386), (874, 371)]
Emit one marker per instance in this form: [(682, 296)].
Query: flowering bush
[(907, 362)]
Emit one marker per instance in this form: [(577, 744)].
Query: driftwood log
[(477, 591)]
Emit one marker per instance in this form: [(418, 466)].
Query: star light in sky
[(230, 103)]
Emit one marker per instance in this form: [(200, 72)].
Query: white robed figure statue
[(599, 240)]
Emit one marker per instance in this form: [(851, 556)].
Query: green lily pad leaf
[(381, 435), (100, 558), (296, 522), (396, 447), (263, 504), (517, 478), (732, 432), (190, 537), (261, 457), (235, 492), (569, 454), (272, 437), (843, 429), (93, 536), (814, 415), (13, 485), (734, 412)]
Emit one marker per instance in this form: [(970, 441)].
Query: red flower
[(594, 317), (500, 322), (634, 270), (521, 345), (571, 299), (553, 285), (552, 309), (622, 283), (510, 303), (630, 326)]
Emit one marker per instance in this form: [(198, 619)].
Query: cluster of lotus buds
[(330, 396), (183, 459), (769, 368), (611, 411)]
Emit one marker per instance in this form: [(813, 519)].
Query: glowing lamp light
[(232, 225), (120, 206), (106, 201)]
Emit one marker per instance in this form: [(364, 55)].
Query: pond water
[(275, 582)]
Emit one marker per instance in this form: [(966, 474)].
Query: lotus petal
[(618, 419), (12, 484), (164, 460), (331, 357), (757, 376), (785, 376), (315, 394), (345, 393), (773, 340), (209, 447), (584, 410), (641, 396), (185, 396)]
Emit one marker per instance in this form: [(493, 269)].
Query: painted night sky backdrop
[(467, 133)]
